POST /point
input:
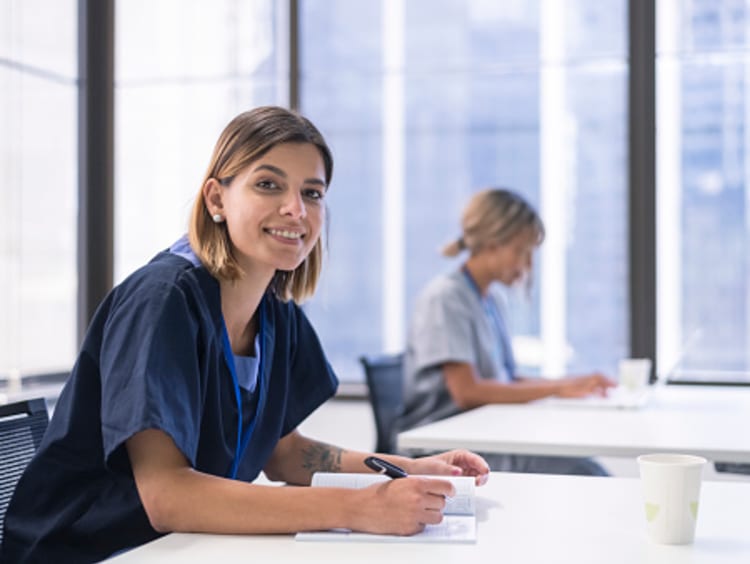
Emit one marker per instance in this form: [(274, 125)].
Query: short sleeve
[(149, 367), (442, 329), (312, 380)]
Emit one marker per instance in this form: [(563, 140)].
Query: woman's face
[(274, 208), (511, 261)]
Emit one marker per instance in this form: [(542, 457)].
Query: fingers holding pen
[(408, 504), (435, 492), (423, 499)]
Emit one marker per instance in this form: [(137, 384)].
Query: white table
[(521, 518), (709, 421)]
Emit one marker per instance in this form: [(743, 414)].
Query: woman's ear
[(213, 193)]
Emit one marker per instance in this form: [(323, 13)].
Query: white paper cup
[(634, 373), (671, 485)]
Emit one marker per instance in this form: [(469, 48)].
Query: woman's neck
[(480, 275), (240, 302)]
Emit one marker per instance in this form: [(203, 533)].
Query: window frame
[(96, 158)]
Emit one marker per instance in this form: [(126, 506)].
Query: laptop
[(621, 397)]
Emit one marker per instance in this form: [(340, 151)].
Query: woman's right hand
[(400, 507)]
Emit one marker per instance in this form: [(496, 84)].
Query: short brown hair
[(244, 140)]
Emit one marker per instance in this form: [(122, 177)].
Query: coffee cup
[(671, 485)]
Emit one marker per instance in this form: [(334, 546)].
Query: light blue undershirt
[(246, 366)]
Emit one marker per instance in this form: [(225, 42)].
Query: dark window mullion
[(642, 177), (95, 156), (294, 43)]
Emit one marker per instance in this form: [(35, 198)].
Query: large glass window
[(184, 68), (38, 190), (703, 56), (424, 103)]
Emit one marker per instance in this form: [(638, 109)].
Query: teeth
[(285, 234)]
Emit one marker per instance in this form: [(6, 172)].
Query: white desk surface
[(708, 421), (521, 518)]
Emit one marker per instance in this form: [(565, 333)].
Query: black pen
[(384, 467)]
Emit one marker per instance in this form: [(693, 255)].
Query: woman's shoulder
[(446, 292), (282, 311), (166, 267), (166, 292), (450, 284), (166, 275)]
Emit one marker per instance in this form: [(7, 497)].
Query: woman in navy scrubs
[(196, 371)]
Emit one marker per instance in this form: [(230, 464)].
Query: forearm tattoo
[(320, 457)]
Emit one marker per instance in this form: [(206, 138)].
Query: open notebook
[(459, 523)]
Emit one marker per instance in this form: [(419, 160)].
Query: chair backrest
[(22, 425), (732, 467), (385, 383)]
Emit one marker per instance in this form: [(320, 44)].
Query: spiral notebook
[(459, 523)]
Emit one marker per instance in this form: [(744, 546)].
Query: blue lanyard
[(487, 303), (490, 309), (243, 439)]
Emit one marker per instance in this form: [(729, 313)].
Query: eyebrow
[(280, 172)]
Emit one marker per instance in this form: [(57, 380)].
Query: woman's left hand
[(452, 463)]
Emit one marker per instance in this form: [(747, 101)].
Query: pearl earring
[(217, 218)]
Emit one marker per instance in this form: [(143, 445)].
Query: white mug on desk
[(634, 373)]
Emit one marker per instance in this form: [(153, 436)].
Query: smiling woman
[(196, 372)]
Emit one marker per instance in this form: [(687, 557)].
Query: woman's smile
[(286, 236)]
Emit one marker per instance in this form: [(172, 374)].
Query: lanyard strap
[(491, 311), (243, 439)]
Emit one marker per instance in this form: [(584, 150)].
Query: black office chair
[(385, 381), (732, 467), (22, 425)]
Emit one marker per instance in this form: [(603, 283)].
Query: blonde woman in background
[(459, 353)]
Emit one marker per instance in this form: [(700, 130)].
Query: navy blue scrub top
[(153, 358)]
